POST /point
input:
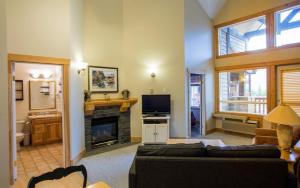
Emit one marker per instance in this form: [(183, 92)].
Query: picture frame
[(103, 79)]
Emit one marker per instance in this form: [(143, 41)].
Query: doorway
[(196, 105), (39, 118)]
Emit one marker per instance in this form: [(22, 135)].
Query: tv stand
[(155, 129)]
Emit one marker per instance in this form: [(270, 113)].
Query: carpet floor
[(113, 166)]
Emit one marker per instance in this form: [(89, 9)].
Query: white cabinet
[(155, 130), (149, 133)]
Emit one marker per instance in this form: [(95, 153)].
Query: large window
[(287, 26), (243, 91), (290, 88), (241, 37), (260, 32)]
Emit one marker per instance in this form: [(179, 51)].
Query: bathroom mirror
[(42, 95)]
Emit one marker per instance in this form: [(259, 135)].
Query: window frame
[(243, 68), (270, 31)]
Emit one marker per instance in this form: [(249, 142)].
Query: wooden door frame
[(65, 63)]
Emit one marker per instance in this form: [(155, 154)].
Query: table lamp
[(285, 117)]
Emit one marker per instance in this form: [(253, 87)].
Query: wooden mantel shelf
[(124, 104)]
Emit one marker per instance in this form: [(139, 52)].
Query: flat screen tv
[(156, 104)]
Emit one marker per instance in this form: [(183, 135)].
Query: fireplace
[(104, 131)]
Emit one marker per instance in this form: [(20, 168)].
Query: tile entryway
[(36, 160)]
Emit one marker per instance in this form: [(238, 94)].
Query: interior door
[(148, 133), (13, 123), (162, 133)]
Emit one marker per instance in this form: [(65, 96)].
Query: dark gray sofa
[(197, 166)]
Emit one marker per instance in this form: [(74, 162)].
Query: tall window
[(244, 36), (260, 32), (287, 26), (243, 91), (290, 88)]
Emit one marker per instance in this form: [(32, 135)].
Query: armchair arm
[(132, 176)]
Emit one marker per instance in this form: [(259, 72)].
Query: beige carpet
[(113, 167)]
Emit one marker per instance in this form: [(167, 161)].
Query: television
[(156, 104)]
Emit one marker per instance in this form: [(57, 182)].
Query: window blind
[(290, 92)]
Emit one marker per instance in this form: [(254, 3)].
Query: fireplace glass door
[(104, 131)]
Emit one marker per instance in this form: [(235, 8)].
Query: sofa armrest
[(292, 181), (132, 176)]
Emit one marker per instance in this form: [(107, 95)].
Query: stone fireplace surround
[(108, 111)]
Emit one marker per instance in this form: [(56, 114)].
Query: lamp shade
[(284, 115)]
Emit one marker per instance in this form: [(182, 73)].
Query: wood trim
[(124, 104), (10, 121), (66, 119), (270, 31), (272, 89), (259, 64), (135, 139), (274, 48), (38, 59), (78, 157), (65, 63), (245, 18)]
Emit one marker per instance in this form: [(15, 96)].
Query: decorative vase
[(285, 135), (125, 94)]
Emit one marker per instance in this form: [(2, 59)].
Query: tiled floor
[(35, 160)]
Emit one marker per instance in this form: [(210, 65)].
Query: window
[(260, 32), (287, 26), (244, 36), (243, 91), (290, 88), (195, 95)]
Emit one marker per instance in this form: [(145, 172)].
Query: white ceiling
[(212, 7)]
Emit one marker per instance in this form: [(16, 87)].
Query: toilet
[(20, 138), (19, 134)]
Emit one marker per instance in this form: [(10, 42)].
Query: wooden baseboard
[(78, 157), (212, 131), (135, 139), (231, 132)]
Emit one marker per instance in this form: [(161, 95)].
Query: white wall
[(4, 144), (76, 81), (52, 28), (133, 36), (199, 52), (22, 72), (154, 36), (103, 37), (38, 27)]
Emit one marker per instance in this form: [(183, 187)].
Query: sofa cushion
[(249, 151), (173, 150)]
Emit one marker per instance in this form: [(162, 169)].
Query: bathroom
[(39, 118)]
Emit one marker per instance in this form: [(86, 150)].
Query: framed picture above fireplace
[(103, 79)]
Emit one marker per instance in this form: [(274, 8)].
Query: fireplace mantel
[(124, 104)]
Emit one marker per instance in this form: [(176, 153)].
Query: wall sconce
[(44, 75), (81, 67), (153, 70), (153, 75)]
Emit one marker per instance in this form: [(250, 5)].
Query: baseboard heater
[(235, 123)]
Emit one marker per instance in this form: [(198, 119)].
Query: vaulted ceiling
[(212, 7)]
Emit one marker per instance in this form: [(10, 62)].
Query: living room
[(149, 48)]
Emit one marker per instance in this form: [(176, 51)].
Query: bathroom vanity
[(46, 128)]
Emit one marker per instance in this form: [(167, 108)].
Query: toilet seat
[(19, 134)]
